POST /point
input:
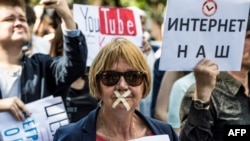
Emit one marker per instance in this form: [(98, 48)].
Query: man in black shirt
[(217, 100)]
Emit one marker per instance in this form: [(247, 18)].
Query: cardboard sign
[(47, 115), (101, 24), (213, 29)]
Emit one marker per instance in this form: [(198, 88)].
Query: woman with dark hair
[(79, 101)]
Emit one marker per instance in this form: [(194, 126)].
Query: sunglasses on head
[(110, 78)]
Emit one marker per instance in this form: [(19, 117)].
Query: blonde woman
[(119, 77)]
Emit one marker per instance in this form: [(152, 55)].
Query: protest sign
[(101, 24), (153, 138), (213, 29), (47, 115)]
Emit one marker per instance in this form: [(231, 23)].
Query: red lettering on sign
[(117, 21)]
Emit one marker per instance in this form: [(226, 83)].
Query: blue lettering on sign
[(12, 132), (29, 128), (18, 139)]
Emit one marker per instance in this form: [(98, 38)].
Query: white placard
[(153, 138), (101, 24), (47, 115), (213, 29)]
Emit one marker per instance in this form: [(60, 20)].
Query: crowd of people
[(123, 95)]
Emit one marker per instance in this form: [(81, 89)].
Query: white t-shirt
[(10, 83)]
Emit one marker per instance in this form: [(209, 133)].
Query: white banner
[(101, 24), (47, 115), (213, 29)]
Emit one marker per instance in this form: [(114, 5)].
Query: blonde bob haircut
[(110, 54)]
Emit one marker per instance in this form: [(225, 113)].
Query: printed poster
[(213, 29), (101, 24), (47, 115)]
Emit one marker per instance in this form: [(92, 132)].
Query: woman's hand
[(62, 9), (15, 106)]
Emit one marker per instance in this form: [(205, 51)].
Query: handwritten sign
[(213, 29), (47, 115), (101, 24)]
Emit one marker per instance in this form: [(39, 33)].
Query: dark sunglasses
[(110, 78)]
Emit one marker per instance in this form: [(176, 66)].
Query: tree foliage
[(152, 7)]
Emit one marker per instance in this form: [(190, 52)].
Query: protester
[(79, 101), (24, 79), (148, 54), (155, 41), (177, 92), (120, 77), (157, 75), (36, 44), (145, 103), (43, 26), (162, 100), (219, 99)]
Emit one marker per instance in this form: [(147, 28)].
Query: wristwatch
[(200, 105)]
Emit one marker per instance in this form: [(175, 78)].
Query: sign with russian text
[(101, 24), (47, 115), (213, 29)]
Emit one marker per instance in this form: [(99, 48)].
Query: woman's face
[(109, 93)]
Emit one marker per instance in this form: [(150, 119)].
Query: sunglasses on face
[(110, 78)]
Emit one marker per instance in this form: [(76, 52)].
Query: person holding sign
[(24, 79), (79, 101), (119, 77), (219, 101)]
